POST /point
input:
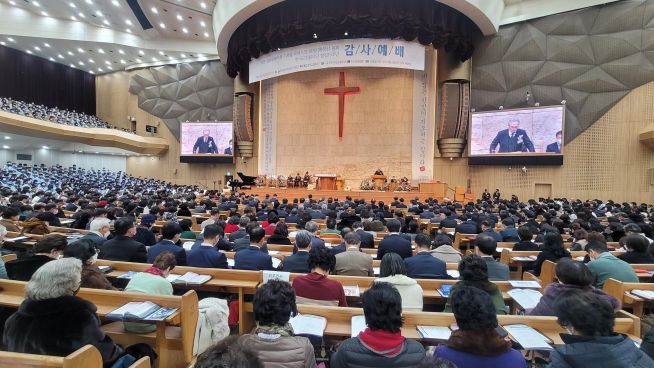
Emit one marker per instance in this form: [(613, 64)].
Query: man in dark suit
[(228, 150), (467, 227), (512, 139), (170, 233), (487, 229), (299, 262), (449, 221), (241, 232), (367, 239), (207, 254), (556, 146), (394, 242), (122, 247), (423, 265), (205, 144), (312, 228), (253, 258), (510, 233)]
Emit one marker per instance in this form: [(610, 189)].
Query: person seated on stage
[(573, 277), (393, 271), (552, 250), (444, 250), (280, 235), (53, 321), (298, 180), (486, 247), (290, 181), (423, 265), (353, 262), (315, 287), (637, 250), (477, 343), (526, 240), (85, 251), (381, 344), (474, 272), (306, 179), (187, 232), (591, 340), (273, 339), (152, 281), (253, 258), (394, 242), (46, 249), (170, 235), (605, 265), (313, 227), (207, 254), (228, 352), (331, 227), (122, 247)]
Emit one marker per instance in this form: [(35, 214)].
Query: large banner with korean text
[(424, 115), (268, 128), (360, 52)]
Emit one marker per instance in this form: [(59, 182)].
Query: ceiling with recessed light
[(101, 36)]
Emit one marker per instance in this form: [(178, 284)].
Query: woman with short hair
[(381, 344), (637, 250), (477, 343), (393, 271), (187, 231), (85, 251), (273, 339), (474, 272), (573, 277), (552, 250), (46, 249), (52, 320), (280, 236), (591, 341)]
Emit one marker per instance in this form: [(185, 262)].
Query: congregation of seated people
[(55, 115), (144, 221)]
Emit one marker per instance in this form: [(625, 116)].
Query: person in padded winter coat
[(590, 341), (381, 344)]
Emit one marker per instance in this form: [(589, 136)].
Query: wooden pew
[(229, 281), (174, 338), (463, 239), (8, 257), (87, 357), (622, 291)]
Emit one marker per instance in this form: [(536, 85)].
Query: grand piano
[(247, 181)]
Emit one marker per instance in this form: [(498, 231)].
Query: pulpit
[(438, 189), (379, 181), (326, 181)]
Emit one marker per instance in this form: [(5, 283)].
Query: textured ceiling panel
[(591, 58), (189, 91)]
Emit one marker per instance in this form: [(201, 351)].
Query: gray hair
[(311, 227), (302, 239), (244, 221), (352, 239), (55, 279), (99, 223)]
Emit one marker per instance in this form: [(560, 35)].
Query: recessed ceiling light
[(79, 49), (138, 60), (89, 2), (106, 22), (12, 3), (154, 10), (141, 52), (36, 3), (128, 22), (6, 147), (120, 51), (37, 48), (46, 44), (184, 30), (155, 59), (51, 59), (72, 17), (80, 62), (110, 67), (161, 52), (162, 25), (45, 147), (72, 5), (107, 62), (206, 34), (10, 39), (29, 52), (99, 13), (122, 61), (7, 137), (91, 71), (70, 53), (203, 5), (81, 15), (100, 70), (2, 43), (91, 61), (128, 30), (203, 24), (183, 55), (44, 14), (115, 2), (179, 17), (60, 56), (101, 51)]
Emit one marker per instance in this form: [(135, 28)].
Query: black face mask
[(77, 290)]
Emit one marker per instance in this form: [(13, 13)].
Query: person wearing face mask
[(51, 311), (207, 255), (171, 232), (122, 247), (100, 229), (85, 251), (556, 146), (45, 250)]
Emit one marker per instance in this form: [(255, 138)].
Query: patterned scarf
[(155, 271), (272, 332)]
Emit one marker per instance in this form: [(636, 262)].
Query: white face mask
[(106, 235), (558, 141)]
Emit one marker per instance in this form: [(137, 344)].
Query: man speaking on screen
[(205, 144), (512, 139)]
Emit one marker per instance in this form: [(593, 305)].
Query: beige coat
[(282, 352), (447, 254), (353, 263), (410, 291)]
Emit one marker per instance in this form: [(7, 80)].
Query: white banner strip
[(268, 128), (424, 110), (366, 52)]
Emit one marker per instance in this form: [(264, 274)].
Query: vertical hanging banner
[(424, 115), (268, 128)]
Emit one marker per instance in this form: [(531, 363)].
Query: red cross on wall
[(341, 91)]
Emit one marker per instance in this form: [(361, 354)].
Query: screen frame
[(519, 158), (203, 157)]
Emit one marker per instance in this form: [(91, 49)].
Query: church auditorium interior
[(333, 184)]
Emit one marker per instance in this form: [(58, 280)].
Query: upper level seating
[(54, 115)]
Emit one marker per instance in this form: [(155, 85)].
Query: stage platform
[(386, 197)]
